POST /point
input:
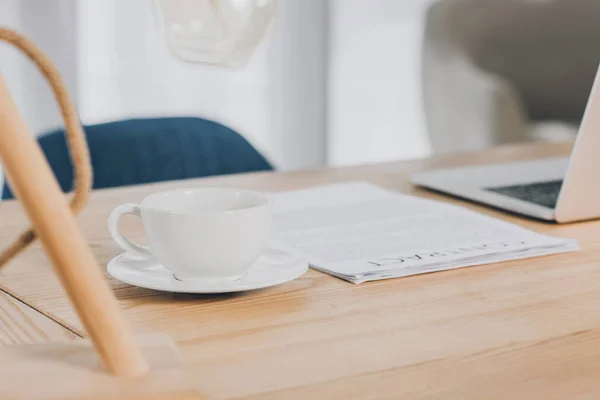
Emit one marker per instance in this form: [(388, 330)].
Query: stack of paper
[(360, 232)]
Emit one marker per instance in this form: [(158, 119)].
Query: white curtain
[(336, 82)]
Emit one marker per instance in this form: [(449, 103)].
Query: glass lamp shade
[(218, 32)]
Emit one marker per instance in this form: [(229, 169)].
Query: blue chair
[(140, 151)]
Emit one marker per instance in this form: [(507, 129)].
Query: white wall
[(52, 26), (374, 81), (297, 59)]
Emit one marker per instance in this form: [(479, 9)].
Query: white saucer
[(273, 268)]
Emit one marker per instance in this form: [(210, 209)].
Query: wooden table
[(521, 329)]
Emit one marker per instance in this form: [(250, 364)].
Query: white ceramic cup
[(208, 233)]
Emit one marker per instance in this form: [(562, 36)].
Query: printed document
[(361, 232)]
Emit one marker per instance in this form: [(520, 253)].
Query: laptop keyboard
[(540, 193)]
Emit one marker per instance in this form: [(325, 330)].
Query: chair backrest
[(140, 151), (548, 49)]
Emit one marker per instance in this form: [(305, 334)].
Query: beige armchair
[(501, 71)]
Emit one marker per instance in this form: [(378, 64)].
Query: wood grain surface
[(73, 370), (20, 324), (521, 329)]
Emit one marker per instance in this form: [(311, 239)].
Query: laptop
[(565, 189)]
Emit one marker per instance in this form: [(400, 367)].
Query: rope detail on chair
[(76, 140)]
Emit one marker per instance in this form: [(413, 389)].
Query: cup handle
[(119, 238)]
